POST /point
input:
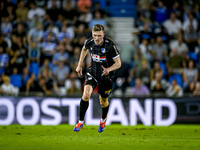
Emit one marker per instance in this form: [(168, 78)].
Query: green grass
[(62, 137)]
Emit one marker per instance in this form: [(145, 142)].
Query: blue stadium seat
[(122, 8), (193, 56), (163, 66), (177, 77)]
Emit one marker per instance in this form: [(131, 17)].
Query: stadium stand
[(36, 36)]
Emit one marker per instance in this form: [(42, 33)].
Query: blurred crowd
[(40, 44), (164, 58)]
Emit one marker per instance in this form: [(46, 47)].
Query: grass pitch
[(62, 137)]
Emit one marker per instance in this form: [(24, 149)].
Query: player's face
[(98, 37)]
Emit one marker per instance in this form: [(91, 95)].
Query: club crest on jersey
[(103, 50), (89, 78)]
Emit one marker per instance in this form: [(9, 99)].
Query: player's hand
[(79, 70), (105, 71)]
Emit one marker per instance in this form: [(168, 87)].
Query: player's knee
[(104, 102), (86, 96)]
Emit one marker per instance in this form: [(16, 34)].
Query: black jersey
[(102, 55)]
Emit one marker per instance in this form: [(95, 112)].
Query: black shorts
[(104, 86)]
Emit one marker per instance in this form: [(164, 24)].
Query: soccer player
[(105, 59)]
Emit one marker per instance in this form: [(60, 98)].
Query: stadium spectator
[(53, 12), (179, 45), (4, 44), (156, 70), (21, 33), (59, 22), (191, 38), (176, 9), (140, 89), (48, 48), (15, 78), (162, 32), (73, 90), (34, 52), (63, 34), (73, 60), (159, 50), (160, 13), (61, 72), (3, 9), (83, 5), (173, 25), (73, 84), (159, 84), (46, 66), (127, 53), (175, 63), (145, 14), (174, 89), (4, 59), (34, 10), (33, 85), (19, 20), (60, 54), (80, 31), (33, 23), (145, 33), (22, 10), (24, 77), (35, 34), (52, 3), (7, 88), (97, 20), (97, 8), (197, 11), (69, 12), (18, 55), (48, 83), (190, 21), (6, 27), (10, 11), (197, 89), (138, 59), (86, 16), (53, 30), (190, 76), (144, 46), (144, 73)]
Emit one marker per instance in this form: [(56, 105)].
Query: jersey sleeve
[(114, 51), (85, 44)]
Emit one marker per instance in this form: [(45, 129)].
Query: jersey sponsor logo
[(98, 58), (103, 50), (89, 78)]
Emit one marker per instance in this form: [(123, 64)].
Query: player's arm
[(115, 66), (80, 62)]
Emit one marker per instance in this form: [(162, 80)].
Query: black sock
[(105, 112), (83, 108)]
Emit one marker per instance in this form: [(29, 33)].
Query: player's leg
[(84, 103), (104, 90), (105, 106)]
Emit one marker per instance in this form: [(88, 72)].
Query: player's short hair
[(97, 27)]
